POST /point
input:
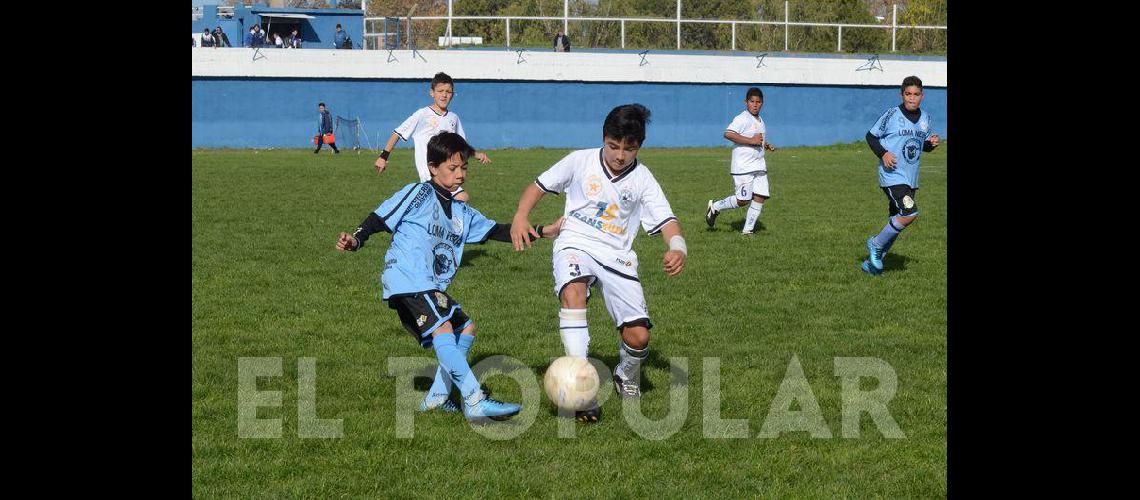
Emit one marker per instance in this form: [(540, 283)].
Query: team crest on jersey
[(441, 299), (911, 149), (434, 122), (444, 259), (421, 320), (593, 186), (573, 259), (908, 202), (626, 198)]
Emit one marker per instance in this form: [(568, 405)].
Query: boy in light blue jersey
[(430, 228), (899, 138)]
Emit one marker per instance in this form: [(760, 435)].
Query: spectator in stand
[(258, 37), (339, 38), (295, 40), (248, 42), (207, 39), (278, 41), (561, 42), (193, 43), (220, 38)]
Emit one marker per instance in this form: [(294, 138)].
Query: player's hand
[(934, 140), (551, 230), (756, 140), (674, 262), (381, 164), (521, 231), (482, 157), (346, 242), (889, 160), (768, 146)]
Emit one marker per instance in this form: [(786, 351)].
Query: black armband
[(371, 225), (927, 146), (876, 146), (384, 154)]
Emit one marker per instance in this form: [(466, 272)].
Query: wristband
[(384, 154), (678, 243)]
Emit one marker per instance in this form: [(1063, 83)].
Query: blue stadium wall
[(282, 113)]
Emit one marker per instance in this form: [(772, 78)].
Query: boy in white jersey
[(749, 170), (608, 192), (424, 124)]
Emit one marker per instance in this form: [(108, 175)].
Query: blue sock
[(887, 236), (441, 386), (454, 364)]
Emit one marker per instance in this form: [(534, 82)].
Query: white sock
[(575, 334), (753, 214), (629, 361), (725, 204)]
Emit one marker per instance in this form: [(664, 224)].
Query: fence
[(894, 27)]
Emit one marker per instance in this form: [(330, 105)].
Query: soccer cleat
[(491, 408), (710, 215), (627, 389), (876, 257), (869, 269), (589, 416), (445, 405)]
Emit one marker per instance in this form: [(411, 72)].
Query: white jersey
[(748, 159), (602, 210), (424, 124)]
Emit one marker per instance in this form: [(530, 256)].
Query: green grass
[(266, 282)]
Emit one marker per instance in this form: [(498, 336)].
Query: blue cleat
[(869, 269), (876, 257), (491, 408)]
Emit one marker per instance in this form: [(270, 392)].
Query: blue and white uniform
[(904, 139)]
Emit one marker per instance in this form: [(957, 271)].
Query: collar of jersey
[(917, 113), (611, 177), (437, 114)]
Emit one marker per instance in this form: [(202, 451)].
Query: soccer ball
[(571, 383)]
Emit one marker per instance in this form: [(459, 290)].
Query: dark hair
[(754, 91), (441, 77), (321, 104), (911, 81), (626, 122), (337, 25), (445, 145)]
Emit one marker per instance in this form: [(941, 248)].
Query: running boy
[(429, 230), (899, 138), (608, 192), (749, 170), (424, 124)]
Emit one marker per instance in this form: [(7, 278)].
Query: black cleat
[(710, 215), (589, 416)]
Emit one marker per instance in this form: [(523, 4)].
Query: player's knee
[(470, 329), (741, 203), (906, 221), (573, 296), (759, 199), (636, 334)]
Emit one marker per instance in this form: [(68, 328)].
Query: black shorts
[(423, 313), (901, 200)]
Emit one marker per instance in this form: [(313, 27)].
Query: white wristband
[(678, 243)]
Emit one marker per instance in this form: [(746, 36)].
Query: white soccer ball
[(571, 383)]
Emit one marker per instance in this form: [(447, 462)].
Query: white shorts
[(618, 282), (755, 183)]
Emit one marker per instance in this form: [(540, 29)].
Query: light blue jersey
[(427, 246), (904, 140)]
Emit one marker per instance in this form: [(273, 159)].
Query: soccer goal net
[(350, 133)]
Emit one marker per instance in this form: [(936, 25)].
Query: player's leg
[(739, 197), (574, 272), (903, 211), (438, 395), (476, 403), (333, 146), (625, 301), (320, 142), (759, 194)]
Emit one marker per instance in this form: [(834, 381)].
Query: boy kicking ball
[(749, 170)]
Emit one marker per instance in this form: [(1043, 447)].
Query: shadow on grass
[(892, 261)]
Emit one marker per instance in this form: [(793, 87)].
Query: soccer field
[(267, 283)]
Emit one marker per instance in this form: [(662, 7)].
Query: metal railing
[(566, 18)]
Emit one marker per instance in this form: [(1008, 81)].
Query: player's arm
[(482, 157), (888, 157), (382, 161), (755, 140), (352, 242), (520, 227), (502, 232), (675, 256)]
